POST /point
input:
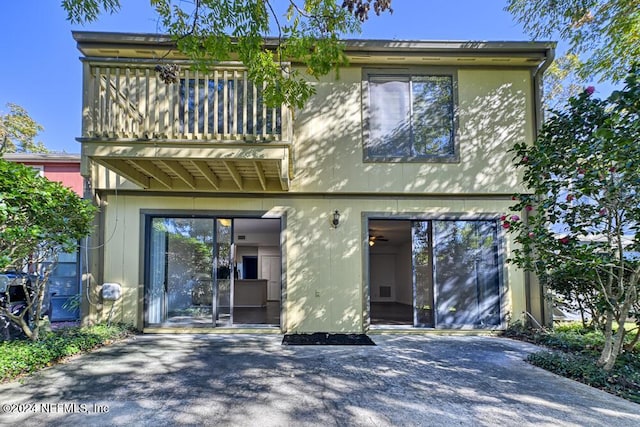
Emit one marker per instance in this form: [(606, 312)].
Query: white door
[(271, 272)]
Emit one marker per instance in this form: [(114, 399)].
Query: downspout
[(546, 310), (537, 87)]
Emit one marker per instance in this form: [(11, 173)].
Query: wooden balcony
[(203, 132)]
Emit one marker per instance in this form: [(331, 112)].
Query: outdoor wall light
[(336, 219)]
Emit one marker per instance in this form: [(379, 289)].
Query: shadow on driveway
[(253, 380)]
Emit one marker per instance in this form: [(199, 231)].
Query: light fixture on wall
[(336, 219), (225, 222)]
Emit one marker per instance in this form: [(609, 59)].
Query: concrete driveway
[(251, 380)]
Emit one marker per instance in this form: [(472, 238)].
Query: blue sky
[(41, 70)]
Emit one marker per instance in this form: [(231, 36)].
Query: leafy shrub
[(22, 357), (570, 365), (569, 336), (573, 353), (623, 380)]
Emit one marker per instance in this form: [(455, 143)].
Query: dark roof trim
[(42, 157), (106, 40)]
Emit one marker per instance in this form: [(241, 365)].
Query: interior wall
[(404, 275), (383, 273), (256, 239), (271, 271)]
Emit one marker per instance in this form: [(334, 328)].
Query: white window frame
[(39, 169)]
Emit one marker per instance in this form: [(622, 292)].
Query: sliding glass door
[(183, 256), (192, 277), (456, 272)]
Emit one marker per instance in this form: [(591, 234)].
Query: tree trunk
[(605, 355), (37, 324), (25, 327), (614, 343), (616, 347)]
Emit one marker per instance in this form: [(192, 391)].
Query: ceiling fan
[(374, 237)]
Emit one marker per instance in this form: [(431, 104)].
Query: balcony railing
[(130, 101)]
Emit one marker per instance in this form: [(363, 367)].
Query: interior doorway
[(435, 273), (390, 273), (205, 271)]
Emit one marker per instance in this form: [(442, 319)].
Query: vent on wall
[(385, 291)]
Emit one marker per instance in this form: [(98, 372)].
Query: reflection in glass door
[(223, 284), (191, 272), (180, 268), (456, 274), (422, 274), (467, 284)]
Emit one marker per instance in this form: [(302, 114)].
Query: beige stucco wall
[(495, 110), (323, 268)]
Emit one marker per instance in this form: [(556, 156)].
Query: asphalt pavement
[(253, 380)]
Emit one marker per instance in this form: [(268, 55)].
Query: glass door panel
[(467, 285), (422, 274), (487, 269), (223, 311), (190, 274), (156, 291), (180, 271)]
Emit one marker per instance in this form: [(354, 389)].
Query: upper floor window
[(39, 169), (411, 118)]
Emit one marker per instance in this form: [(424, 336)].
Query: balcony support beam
[(260, 173), (207, 173), (121, 167), (193, 166), (155, 172), (235, 175), (180, 170)]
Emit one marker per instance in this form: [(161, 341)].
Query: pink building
[(63, 168), (64, 283)]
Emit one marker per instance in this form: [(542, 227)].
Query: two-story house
[(377, 205)]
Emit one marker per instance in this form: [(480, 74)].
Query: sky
[(41, 70)]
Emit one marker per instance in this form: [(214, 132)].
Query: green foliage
[(38, 219), (583, 209), (574, 290), (623, 380), (23, 357), (606, 32), (89, 10), (573, 354), (562, 81), (18, 131), (569, 336), (37, 215), (209, 31), (574, 366)]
